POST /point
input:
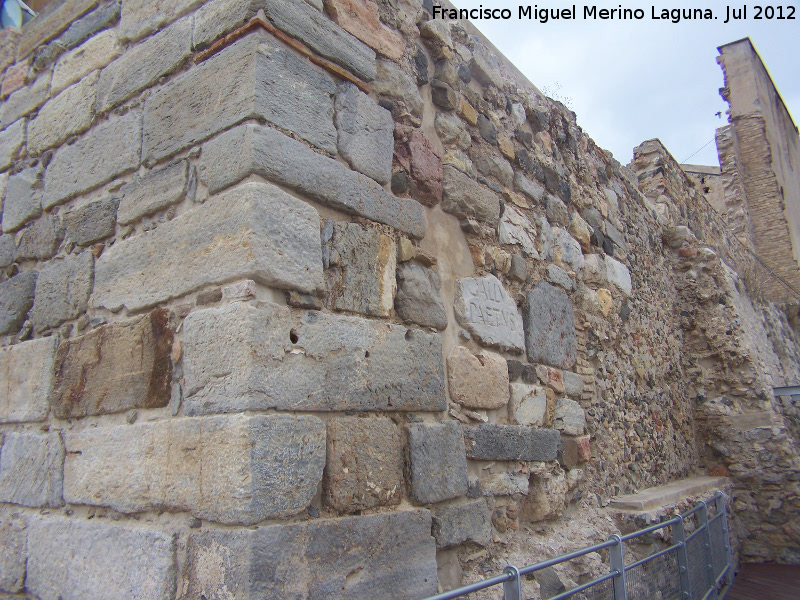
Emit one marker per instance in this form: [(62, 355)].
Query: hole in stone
[(409, 335), (366, 354), (293, 336)]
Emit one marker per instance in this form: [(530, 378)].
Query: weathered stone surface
[(250, 149), (365, 464), (515, 228), (566, 251), (615, 235), (49, 23), (556, 210), (470, 522), (485, 67), (108, 149), (574, 450), (390, 555), (241, 470), (14, 78), (40, 239), (31, 469), (509, 442), (13, 540), (487, 310), (26, 378), (392, 82), (142, 17), (265, 76), (24, 100), (438, 462), (532, 189), (550, 327), (16, 299), (225, 238), (418, 299), (155, 191), (67, 114), (360, 17), (573, 384), (559, 276), (495, 166), (528, 404), (62, 291), (244, 358), (477, 381), (594, 269), (23, 200), (504, 484), (422, 162), (12, 139), (468, 199), (115, 368), (487, 129), (443, 95), (619, 275), (362, 275), (9, 39), (73, 558), (92, 222), (143, 64), (8, 250), (570, 417), (365, 133)]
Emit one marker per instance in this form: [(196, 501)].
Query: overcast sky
[(629, 81)]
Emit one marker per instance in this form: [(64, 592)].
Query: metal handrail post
[(617, 560), (512, 589), (702, 520), (726, 537), (679, 537)]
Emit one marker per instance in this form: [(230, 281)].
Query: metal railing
[(696, 565)]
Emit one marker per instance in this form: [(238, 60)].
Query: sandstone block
[(13, 540), (67, 114), (438, 462), (26, 375), (394, 83), (619, 275), (41, 239), (418, 299), (24, 100), (16, 299), (108, 149), (92, 222), (528, 404), (140, 17), (265, 76), (115, 368), (360, 17), (240, 357), (470, 522), (233, 470), (389, 555), (9, 39), (12, 139), (469, 199), (155, 191), (249, 149), (477, 381), (49, 23), (362, 275), (95, 54), (365, 133), (32, 469), (423, 164), (509, 442), (8, 250), (570, 417), (73, 558), (62, 291), (225, 238), (23, 200), (550, 327), (487, 310), (365, 464)]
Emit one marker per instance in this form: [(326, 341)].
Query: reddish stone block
[(14, 79), (574, 450), (360, 18), (555, 379), (422, 163)]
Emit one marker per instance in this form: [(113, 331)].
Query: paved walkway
[(765, 581)]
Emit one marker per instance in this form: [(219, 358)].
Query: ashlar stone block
[(456, 524), (23, 198), (528, 404), (227, 469), (477, 381), (509, 442), (26, 378), (68, 113), (12, 139), (226, 238), (418, 299), (550, 327), (438, 462), (62, 291), (570, 417), (155, 191), (485, 309), (13, 540), (16, 299), (32, 469)]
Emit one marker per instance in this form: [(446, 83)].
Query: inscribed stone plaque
[(485, 309)]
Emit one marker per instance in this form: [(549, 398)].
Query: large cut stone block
[(477, 381), (23, 198), (16, 299), (389, 555), (438, 462), (13, 540), (233, 470), (67, 114), (550, 327), (255, 78), (12, 140), (143, 17), (365, 464), (62, 291), (155, 191), (70, 559), (509, 442), (470, 522), (363, 21), (26, 378), (41, 239), (49, 23), (95, 54), (362, 275), (115, 368), (570, 417), (529, 404), (468, 199), (92, 222), (254, 231), (249, 149), (485, 309), (418, 299), (32, 469), (108, 149), (239, 357)]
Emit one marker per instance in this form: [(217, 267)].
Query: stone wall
[(318, 302)]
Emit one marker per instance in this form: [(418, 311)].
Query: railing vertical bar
[(679, 537), (702, 519), (512, 589), (726, 536), (617, 560)]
